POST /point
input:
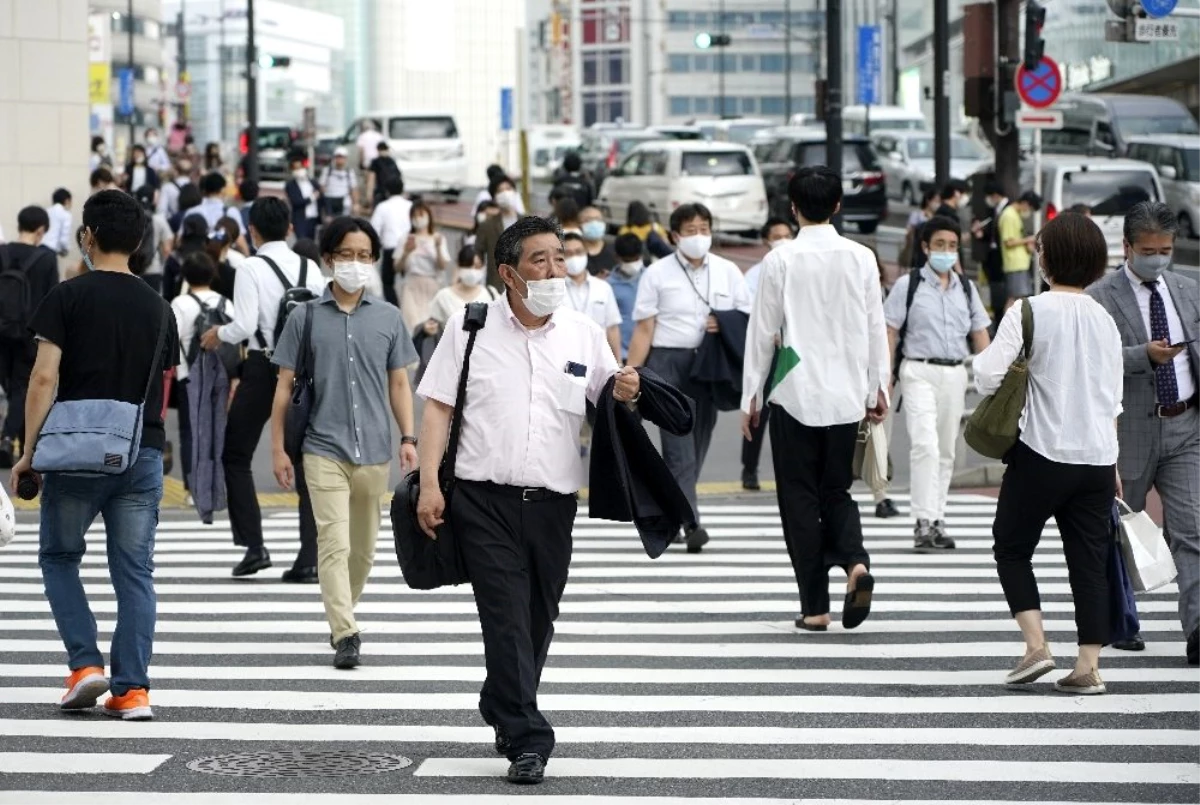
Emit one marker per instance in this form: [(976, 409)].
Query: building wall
[(150, 85), (43, 103)]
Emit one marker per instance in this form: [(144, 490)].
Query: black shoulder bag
[(299, 410), (431, 563)]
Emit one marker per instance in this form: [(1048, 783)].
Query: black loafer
[(858, 602), (1193, 647), (347, 653), (503, 742), (256, 559), (810, 627), (300, 575), (696, 539), (750, 482), (528, 769), (1135, 643), (885, 509)]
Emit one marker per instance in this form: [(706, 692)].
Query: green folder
[(786, 361)]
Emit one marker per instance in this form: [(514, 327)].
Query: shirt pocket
[(572, 394)]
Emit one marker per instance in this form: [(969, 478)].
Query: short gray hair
[(1148, 218)]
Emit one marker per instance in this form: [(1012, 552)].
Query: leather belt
[(526, 494), (1174, 409), (937, 361)]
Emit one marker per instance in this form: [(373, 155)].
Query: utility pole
[(251, 97), (787, 61), (133, 106), (1007, 140), (941, 91), (833, 90), (721, 61), (894, 48)]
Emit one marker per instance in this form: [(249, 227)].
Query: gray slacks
[(684, 455)]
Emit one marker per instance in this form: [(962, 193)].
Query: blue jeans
[(129, 503)]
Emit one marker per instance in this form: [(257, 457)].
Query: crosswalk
[(674, 681)]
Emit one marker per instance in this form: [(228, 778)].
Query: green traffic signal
[(704, 40)]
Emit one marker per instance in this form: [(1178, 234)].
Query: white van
[(548, 144), (863, 120), (666, 174), (427, 148)]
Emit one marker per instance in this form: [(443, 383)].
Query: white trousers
[(934, 398)]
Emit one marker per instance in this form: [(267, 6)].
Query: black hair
[(393, 185), (494, 185), (307, 247), (199, 270), (816, 192), (572, 236), (954, 186), (97, 140), (929, 195), (939, 223), (1082, 209), (212, 183), (138, 147), (383, 146), (494, 171), (271, 217), (993, 188), (1073, 251), (248, 190), (1149, 218), (101, 176), (689, 212), (193, 233), (628, 247), (572, 162), (1032, 199), (336, 231), (466, 257), (116, 221), (31, 219), (773, 222), (566, 209), (512, 240), (189, 197), (143, 255), (638, 214), (61, 196)]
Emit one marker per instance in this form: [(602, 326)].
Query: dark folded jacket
[(630, 482), (717, 367)]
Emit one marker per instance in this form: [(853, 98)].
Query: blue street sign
[(125, 102), (1158, 8), (870, 65), (506, 109)]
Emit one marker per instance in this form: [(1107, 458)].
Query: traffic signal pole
[(833, 91), (251, 97), (941, 92), (1006, 139)]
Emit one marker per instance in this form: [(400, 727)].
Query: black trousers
[(387, 273), (185, 431), (517, 555), (821, 525), (16, 365), (248, 415), (1079, 497)]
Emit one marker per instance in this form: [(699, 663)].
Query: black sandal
[(810, 627), (858, 602)]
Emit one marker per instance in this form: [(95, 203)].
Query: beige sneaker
[(1089, 684), (1033, 667)]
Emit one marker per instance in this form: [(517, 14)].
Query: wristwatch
[(409, 440)]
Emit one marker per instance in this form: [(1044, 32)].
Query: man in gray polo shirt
[(360, 350), (933, 326)]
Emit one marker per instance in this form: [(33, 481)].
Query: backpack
[(293, 296), (573, 186), (230, 354), (914, 279), (16, 298)]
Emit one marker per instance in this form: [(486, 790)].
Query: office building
[(122, 41)]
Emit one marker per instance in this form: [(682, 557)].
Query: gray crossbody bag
[(95, 436)]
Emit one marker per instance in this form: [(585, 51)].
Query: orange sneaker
[(84, 687), (133, 706)]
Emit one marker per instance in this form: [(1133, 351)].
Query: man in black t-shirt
[(34, 271), (97, 337), (381, 170)]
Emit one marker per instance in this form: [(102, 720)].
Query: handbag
[(425, 563), (1122, 609), (96, 436), (871, 463), (994, 426), (1147, 555), (299, 410)]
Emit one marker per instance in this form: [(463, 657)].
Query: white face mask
[(300, 173), (507, 199), (352, 277), (577, 264), (631, 269), (470, 277), (543, 297), (152, 140), (420, 222), (695, 247), (481, 217)]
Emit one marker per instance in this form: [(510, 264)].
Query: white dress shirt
[(594, 298), (680, 298), (368, 146), (524, 409), (306, 190), (823, 290), (168, 197), (186, 312), (1183, 367), (391, 220), (752, 281), (338, 182), (258, 292), (213, 209), (1076, 377), (159, 159), (58, 236)]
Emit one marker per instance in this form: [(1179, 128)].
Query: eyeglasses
[(347, 255)]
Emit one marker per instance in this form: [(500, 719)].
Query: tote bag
[(1147, 557)]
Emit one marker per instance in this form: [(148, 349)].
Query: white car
[(908, 163), (666, 174), (1176, 157), (427, 148)]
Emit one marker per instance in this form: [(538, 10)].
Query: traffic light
[(705, 40), (267, 61), (1035, 46)]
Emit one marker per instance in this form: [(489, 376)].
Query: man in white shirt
[(256, 297), (833, 369), (589, 295), (368, 144), (58, 236), (213, 207), (675, 302), (535, 365), (168, 197), (338, 184), (392, 219), (157, 157)]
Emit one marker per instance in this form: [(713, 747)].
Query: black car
[(864, 202), (277, 143)]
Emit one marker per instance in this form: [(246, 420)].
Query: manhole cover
[(299, 764)]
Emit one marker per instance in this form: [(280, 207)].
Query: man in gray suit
[(1158, 314)]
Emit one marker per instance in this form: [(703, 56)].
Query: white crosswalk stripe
[(670, 682)]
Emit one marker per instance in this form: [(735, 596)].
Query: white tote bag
[(8, 519), (871, 455), (1147, 557)]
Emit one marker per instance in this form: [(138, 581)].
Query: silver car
[(908, 165), (1176, 157)]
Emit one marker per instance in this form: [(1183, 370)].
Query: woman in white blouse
[(1064, 465), (422, 262)]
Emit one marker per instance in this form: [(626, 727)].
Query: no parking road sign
[(1040, 87)]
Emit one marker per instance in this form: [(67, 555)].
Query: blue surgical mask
[(594, 230), (942, 262)]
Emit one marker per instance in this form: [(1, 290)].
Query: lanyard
[(687, 272)]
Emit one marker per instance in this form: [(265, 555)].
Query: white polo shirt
[(594, 298), (680, 297)]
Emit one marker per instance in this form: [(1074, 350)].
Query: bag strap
[(460, 400), (287, 286), (914, 279), (203, 307), (303, 283), (158, 348), (1026, 328)]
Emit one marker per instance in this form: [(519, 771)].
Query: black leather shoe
[(750, 482), (347, 653), (1193, 647), (528, 769), (885, 509), (696, 539), (256, 559), (301, 575), (1135, 643), (503, 742)]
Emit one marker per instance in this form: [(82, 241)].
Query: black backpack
[(16, 298), (293, 296), (230, 354), (573, 186)]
